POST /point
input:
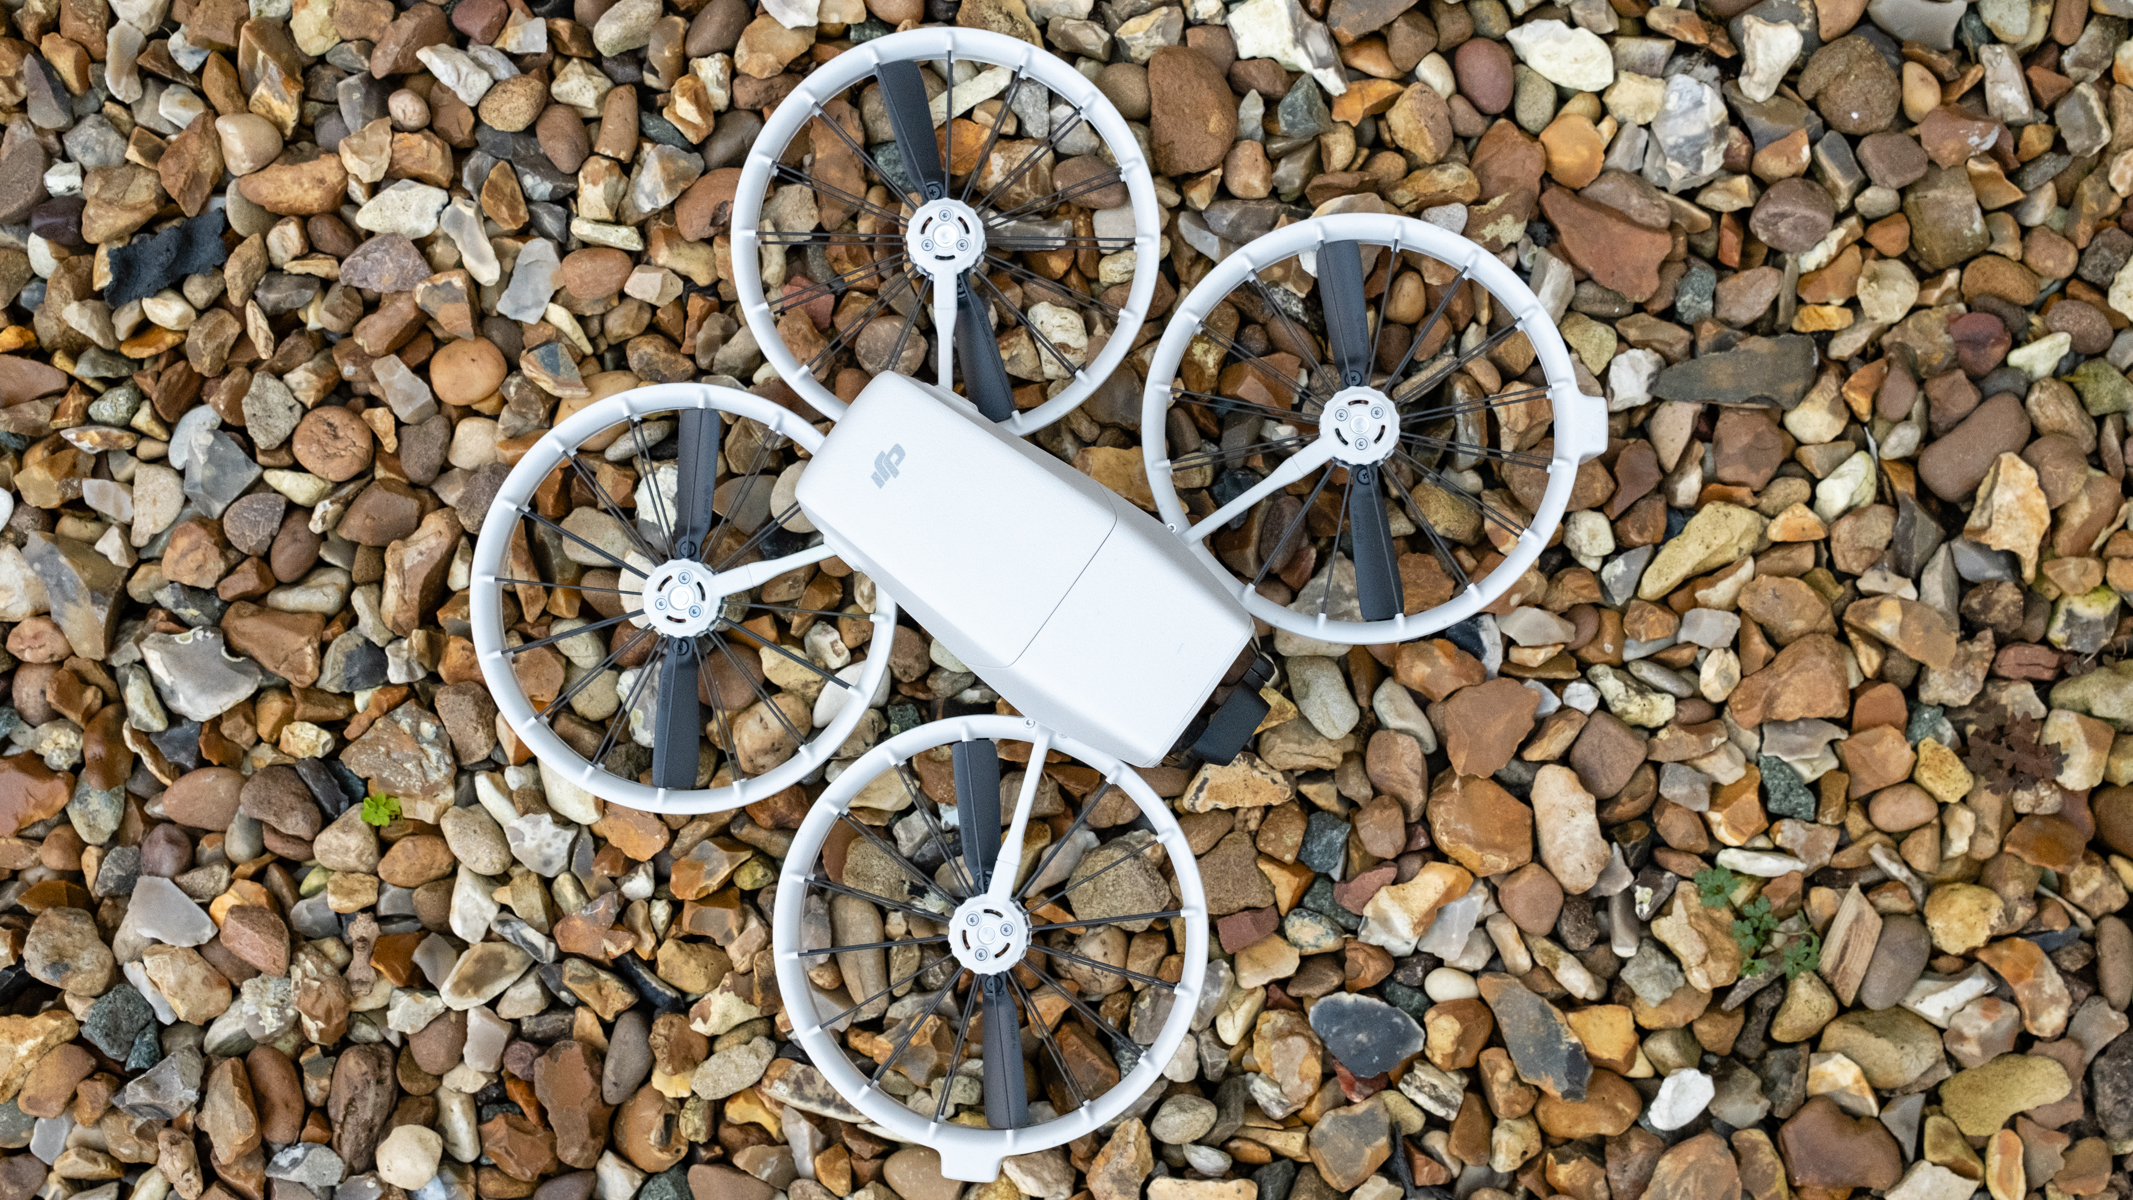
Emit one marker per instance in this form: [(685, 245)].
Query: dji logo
[(885, 464)]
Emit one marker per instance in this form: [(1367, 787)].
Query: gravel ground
[(1768, 836)]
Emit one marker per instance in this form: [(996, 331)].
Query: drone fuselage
[(1080, 610)]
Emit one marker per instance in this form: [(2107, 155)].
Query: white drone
[(1104, 628)]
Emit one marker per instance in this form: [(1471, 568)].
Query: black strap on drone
[(1233, 724)]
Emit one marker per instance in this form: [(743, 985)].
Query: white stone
[(463, 225), (1571, 845), (1435, 71), (406, 392), (487, 1035), (627, 26), (122, 50), (1283, 31), (1635, 99), (22, 593), (567, 798), (1063, 327), (2041, 358), (408, 1156), (2121, 294), (533, 281), (1567, 57), (162, 912), (1931, 1181), (1763, 864), (1682, 1095), (465, 77), (1708, 627), (1529, 626), (406, 207), (614, 1178), (1768, 49), (473, 907), (1848, 487), (523, 33), (1629, 378), (1395, 708), (1887, 290)]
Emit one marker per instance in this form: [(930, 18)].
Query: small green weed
[(381, 810), (1755, 929)]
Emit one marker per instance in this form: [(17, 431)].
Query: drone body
[(1081, 610)]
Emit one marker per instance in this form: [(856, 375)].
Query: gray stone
[(166, 1090), (1368, 1036)]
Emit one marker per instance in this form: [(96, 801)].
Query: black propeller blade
[(677, 719), (1006, 1091), (977, 809), (903, 93), (1340, 288), (1377, 568), (677, 716), (978, 352), (697, 464)]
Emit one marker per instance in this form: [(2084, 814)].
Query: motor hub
[(1362, 424), (679, 599), (945, 238), (988, 936)]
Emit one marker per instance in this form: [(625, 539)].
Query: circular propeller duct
[(949, 204), (959, 936), (1368, 426), (653, 614)]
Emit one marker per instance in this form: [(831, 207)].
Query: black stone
[(1784, 1072), (197, 607), (180, 743), (551, 221), (334, 786), (1367, 1035), (1275, 1179), (2111, 1090), (661, 130), (1325, 844), (1541, 1043), (352, 664), (147, 1050), (58, 220), (118, 1017), (119, 871), (670, 1184), (145, 266)]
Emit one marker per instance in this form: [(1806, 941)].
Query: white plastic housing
[(1079, 609)]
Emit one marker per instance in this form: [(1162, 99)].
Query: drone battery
[(1082, 611)]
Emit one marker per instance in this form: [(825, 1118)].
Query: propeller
[(1377, 572), (984, 374), (1340, 288), (977, 804), (903, 93), (677, 718), (1006, 1091)]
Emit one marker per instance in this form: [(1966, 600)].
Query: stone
[(1574, 58), (1365, 1034), (1981, 1099)]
